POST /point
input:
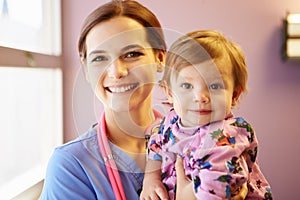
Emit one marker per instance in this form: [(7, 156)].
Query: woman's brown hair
[(130, 9)]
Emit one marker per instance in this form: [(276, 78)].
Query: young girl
[(204, 77)]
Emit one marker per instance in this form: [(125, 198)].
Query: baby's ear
[(167, 90), (236, 94)]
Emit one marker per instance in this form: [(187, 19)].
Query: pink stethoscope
[(109, 161)]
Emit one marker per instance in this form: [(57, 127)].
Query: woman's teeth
[(122, 88)]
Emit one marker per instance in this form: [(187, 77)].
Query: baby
[(205, 76)]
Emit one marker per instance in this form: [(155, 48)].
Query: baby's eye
[(215, 86), (133, 54), (186, 86)]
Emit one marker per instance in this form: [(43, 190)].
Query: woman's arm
[(185, 185)]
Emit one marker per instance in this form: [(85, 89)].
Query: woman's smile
[(122, 88)]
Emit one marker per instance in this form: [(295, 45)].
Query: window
[(31, 91), (31, 125), (31, 25)]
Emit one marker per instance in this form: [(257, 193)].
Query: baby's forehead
[(208, 67), (209, 70)]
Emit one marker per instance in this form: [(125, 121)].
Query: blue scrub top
[(76, 171)]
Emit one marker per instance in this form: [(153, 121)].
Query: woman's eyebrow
[(132, 46), (124, 49), (96, 52)]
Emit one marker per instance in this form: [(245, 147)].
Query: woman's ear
[(235, 96), (85, 70), (161, 60)]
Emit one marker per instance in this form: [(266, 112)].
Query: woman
[(121, 47), (120, 57)]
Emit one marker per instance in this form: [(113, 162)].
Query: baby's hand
[(154, 189)]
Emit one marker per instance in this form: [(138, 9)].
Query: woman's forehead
[(116, 33)]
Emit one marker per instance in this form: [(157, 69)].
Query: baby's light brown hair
[(202, 45)]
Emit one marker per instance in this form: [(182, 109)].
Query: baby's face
[(203, 93)]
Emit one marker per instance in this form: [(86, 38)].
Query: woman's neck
[(126, 129)]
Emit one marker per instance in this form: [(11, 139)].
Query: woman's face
[(121, 66)]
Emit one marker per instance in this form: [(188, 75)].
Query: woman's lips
[(121, 88)]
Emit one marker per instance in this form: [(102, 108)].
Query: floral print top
[(218, 157)]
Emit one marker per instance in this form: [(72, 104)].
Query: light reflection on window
[(27, 12), (31, 25)]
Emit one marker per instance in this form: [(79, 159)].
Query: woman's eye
[(186, 86), (133, 54), (99, 58), (215, 86)]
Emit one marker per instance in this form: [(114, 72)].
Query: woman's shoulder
[(83, 146), (80, 153), (72, 164)]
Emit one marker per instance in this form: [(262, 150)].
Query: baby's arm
[(153, 188)]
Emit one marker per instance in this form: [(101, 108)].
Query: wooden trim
[(14, 57)]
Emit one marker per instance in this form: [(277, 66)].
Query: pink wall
[(274, 86)]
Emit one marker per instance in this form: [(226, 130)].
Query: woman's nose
[(117, 69)]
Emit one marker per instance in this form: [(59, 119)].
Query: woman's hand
[(184, 189), (185, 185), (242, 194)]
